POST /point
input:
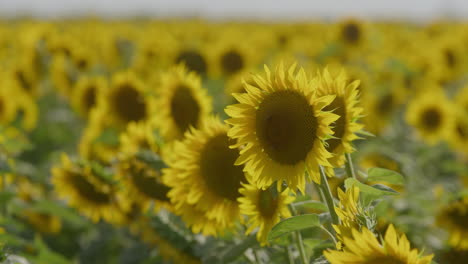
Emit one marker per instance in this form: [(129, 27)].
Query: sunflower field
[(194, 141)]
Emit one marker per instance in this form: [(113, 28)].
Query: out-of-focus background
[(258, 9)]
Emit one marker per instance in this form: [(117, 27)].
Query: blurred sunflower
[(99, 140), (263, 208), (142, 182), (229, 56), (89, 193), (138, 136), (125, 99), (204, 179), (345, 106), (86, 93), (352, 33), (432, 116), (363, 247), (194, 58), (453, 256), (25, 80), (454, 218), (7, 106), (181, 103), (43, 222), (379, 109), (459, 137), (62, 75), (280, 126)]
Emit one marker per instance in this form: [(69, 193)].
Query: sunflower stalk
[(349, 167), (298, 238), (327, 195)]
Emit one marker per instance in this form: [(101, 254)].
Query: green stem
[(298, 238), (290, 255), (325, 188), (349, 167)]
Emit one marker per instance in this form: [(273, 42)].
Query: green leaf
[(47, 256), (385, 175), (314, 205), (53, 208), (368, 193), (109, 137), (6, 196), (294, 223)]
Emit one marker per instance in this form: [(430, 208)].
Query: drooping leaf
[(294, 223), (385, 175)]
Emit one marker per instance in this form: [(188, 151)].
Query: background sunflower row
[(120, 98)]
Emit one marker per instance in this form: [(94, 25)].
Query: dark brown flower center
[(431, 118), (217, 167), (351, 33), (184, 108), (267, 204), (89, 98), (193, 60), (231, 62), (87, 190), (128, 103), (146, 181), (286, 126)]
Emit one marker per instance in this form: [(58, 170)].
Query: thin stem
[(290, 255), (298, 238), (349, 167), (257, 257), (325, 188)]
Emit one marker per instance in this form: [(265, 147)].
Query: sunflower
[(7, 106), (166, 249), (86, 93), (453, 217), (204, 180), (348, 210), (351, 33), (24, 79), (229, 56), (142, 182), (138, 136), (378, 160), (432, 116), (364, 248), (43, 222), (181, 103), (280, 126), (62, 74), (454, 256), (263, 208), (459, 137), (89, 193), (99, 141), (344, 105), (125, 100)]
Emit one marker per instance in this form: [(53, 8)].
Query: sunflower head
[(281, 126), (363, 247), (181, 103), (142, 183), (85, 190), (453, 217), (125, 99), (86, 93), (203, 179), (193, 59), (432, 115), (345, 106), (264, 208)]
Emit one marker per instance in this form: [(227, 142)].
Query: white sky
[(262, 9)]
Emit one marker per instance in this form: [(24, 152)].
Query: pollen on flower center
[(218, 170), (184, 108), (286, 126)]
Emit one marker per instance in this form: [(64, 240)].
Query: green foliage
[(294, 223)]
